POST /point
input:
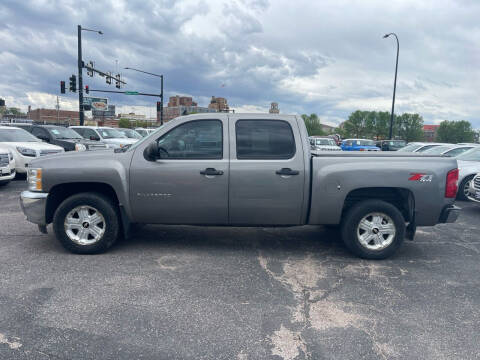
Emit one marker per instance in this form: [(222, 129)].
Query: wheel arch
[(403, 199), (60, 192)]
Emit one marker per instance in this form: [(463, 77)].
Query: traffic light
[(108, 79), (90, 69), (159, 106), (62, 87), (87, 89), (73, 83), (117, 81)]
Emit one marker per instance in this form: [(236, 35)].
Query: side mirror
[(43, 138), (151, 152), (94, 138)]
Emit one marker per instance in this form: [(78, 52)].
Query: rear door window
[(264, 139)]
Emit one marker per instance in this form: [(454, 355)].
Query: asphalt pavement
[(181, 292)]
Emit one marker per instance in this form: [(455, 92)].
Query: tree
[(312, 124), (124, 123), (356, 124), (409, 127), (455, 132)]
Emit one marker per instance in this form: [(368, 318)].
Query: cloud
[(325, 57)]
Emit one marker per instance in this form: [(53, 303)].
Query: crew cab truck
[(239, 170)]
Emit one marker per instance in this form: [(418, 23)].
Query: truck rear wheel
[(373, 229), (86, 223)]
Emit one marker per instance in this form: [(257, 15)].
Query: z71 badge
[(420, 177)]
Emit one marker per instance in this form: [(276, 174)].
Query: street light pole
[(80, 71), (394, 84), (161, 89), (80, 80)]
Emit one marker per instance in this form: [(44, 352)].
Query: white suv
[(7, 166), (110, 136)]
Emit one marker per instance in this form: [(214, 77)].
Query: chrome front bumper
[(34, 205), (473, 192)]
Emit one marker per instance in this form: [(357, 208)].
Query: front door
[(189, 183), (267, 171)]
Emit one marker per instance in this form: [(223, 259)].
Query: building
[(132, 117), (327, 129), (218, 104), (274, 108), (105, 118), (430, 132), (183, 105), (181, 101), (53, 116)]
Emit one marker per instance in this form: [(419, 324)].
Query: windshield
[(17, 135), (396, 143), (425, 148), (436, 150), (64, 133), (457, 151), (471, 155), (410, 147), (111, 134), (131, 134), (329, 142)]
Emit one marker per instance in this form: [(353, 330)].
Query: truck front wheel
[(86, 223), (373, 229)]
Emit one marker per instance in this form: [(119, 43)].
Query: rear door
[(267, 171)]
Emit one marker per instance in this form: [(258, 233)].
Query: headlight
[(26, 151), (80, 147), (34, 179)]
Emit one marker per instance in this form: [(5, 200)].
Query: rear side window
[(264, 139)]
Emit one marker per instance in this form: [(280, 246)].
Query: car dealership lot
[(183, 292)]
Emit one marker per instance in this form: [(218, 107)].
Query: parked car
[(110, 136), (67, 138), (7, 166), (451, 150), (358, 145), (323, 143), (130, 133), (474, 189), (468, 166), (418, 147), (144, 132), (239, 169), (24, 146), (391, 145)]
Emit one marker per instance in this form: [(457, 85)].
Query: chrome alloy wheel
[(84, 225), (376, 231)]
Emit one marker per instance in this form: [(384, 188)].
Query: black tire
[(461, 188), (106, 208), (352, 219)]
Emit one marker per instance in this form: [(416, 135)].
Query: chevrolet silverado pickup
[(239, 170)]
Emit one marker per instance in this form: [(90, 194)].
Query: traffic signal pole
[(80, 80), (161, 101)]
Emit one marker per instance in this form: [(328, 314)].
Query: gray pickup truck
[(239, 170)]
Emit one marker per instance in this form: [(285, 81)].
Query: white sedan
[(24, 146)]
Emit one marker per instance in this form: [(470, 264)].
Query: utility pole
[(58, 110), (161, 101), (80, 80)]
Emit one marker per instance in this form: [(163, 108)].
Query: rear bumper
[(34, 205), (449, 214)]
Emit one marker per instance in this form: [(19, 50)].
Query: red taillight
[(451, 186), (361, 149)]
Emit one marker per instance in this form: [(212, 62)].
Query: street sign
[(131, 92), (99, 104)]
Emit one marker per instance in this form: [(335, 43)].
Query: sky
[(327, 57)]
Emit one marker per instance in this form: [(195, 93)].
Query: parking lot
[(181, 292)]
